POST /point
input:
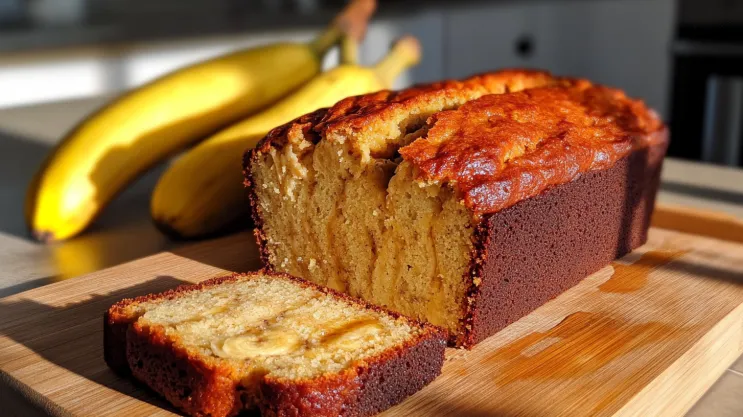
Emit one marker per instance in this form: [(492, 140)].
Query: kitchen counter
[(124, 232)]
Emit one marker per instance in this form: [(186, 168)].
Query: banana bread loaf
[(466, 204), (270, 342)]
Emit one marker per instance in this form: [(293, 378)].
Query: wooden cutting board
[(645, 336)]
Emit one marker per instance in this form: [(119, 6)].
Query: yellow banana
[(202, 192), (107, 151)]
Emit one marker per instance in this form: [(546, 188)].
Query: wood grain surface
[(698, 222), (644, 336)]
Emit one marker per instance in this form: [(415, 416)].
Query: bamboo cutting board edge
[(704, 367), (26, 401)]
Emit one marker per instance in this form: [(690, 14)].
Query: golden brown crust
[(358, 112), (201, 388), (354, 113), (278, 136), (502, 149)]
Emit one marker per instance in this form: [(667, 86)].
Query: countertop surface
[(124, 232)]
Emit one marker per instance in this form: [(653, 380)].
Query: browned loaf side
[(273, 343), (466, 204)]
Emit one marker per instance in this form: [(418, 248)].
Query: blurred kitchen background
[(684, 57)]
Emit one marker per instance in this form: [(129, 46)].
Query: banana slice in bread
[(270, 342), (252, 345)]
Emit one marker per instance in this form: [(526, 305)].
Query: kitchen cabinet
[(623, 43)]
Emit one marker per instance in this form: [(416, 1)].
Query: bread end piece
[(533, 251)]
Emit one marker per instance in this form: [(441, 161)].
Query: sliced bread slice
[(270, 342)]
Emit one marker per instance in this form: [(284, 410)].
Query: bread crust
[(203, 388), (192, 385), (366, 389)]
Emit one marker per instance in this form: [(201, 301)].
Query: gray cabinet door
[(622, 43), (484, 37)]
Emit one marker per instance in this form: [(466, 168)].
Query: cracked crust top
[(497, 138), (360, 113), (501, 149)]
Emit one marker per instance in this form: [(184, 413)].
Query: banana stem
[(326, 40), (405, 53), (349, 51), (351, 21)]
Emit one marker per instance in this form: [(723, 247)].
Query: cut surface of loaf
[(427, 201), (270, 342)]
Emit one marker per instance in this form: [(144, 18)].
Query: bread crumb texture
[(263, 325)]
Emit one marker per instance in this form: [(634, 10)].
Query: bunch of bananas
[(240, 96)]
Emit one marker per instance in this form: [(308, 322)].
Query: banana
[(202, 192), (107, 151), (267, 343), (353, 335)]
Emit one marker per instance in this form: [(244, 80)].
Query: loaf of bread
[(270, 342), (467, 204)]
